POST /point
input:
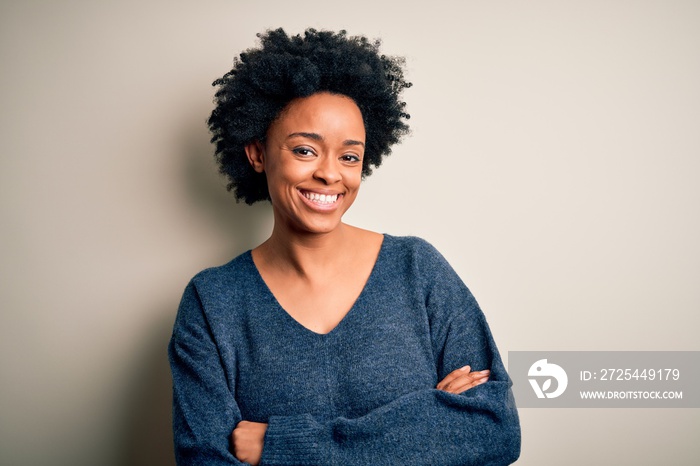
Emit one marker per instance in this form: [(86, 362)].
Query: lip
[(317, 206)]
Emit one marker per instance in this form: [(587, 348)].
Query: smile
[(323, 199)]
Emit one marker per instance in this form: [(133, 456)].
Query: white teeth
[(321, 198)]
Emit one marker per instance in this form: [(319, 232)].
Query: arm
[(478, 427), (204, 410), (248, 437), (424, 427)]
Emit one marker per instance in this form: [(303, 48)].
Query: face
[(312, 159)]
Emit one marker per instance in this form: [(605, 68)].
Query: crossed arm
[(247, 438), (467, 418)]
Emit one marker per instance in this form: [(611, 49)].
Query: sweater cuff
[(292, 440)]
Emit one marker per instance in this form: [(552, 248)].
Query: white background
[(554, 161)]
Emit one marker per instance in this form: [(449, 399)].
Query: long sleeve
[(361, 394), (204, 410), (477, 427)]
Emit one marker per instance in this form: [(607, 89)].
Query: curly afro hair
[(265, 79)]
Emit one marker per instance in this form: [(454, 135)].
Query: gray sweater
[(363, 393)]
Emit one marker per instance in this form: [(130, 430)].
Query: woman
[(328, 344)]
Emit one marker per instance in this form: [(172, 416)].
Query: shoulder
[(224, 285), (236, 269), (416, 259), (415, 250), (217, 299), (424, 262), (423, 267)]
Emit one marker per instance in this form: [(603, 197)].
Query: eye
[(304, 151), (350, 158)]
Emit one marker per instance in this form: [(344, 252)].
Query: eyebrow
[(318, 137)]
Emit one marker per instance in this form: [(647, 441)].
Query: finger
[(465, 379), (238, 430), (458, 389), (247, 441), (452, 376), (457, 375), (463, 384), (238, 436)]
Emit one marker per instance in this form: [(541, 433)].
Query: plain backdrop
[(554, 160)]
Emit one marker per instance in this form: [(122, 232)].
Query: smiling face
[(312, 159)]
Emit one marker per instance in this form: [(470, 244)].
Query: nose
[(327, 170)]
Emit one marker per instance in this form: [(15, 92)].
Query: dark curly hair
[(265, 79)]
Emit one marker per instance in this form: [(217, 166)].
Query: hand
[(462, 379), (247, 440)]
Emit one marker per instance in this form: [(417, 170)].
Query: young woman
[(328, 344)]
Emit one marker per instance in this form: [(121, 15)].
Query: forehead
[(323, 113)]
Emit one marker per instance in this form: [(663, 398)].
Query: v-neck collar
[(349, 315)]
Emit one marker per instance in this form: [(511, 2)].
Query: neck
[(306, 254)]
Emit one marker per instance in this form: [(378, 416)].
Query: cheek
[(352, 176), (282, 179), (354, 180), (276, 185)]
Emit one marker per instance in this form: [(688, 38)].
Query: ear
[(256, 155)]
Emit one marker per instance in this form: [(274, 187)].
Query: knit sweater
[(363, 393)]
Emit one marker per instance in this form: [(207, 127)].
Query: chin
[(320, 227)]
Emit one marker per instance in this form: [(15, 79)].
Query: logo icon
[(542, 369)]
